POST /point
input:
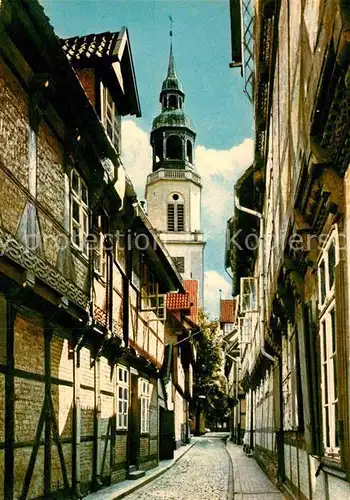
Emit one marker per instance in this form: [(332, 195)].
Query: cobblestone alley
[(202, 473)]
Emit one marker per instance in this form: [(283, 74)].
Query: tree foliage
[(211, 381)]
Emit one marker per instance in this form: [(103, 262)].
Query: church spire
[(171, 82), (171, 67)]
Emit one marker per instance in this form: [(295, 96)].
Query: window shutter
[(340, 310), (171, 217), (308, 337), (180, 218)]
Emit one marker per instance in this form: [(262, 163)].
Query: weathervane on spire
[(171, 24)]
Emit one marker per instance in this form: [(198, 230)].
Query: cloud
[(136, 155), (219, 170), (213, 282)]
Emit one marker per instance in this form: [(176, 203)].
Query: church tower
[(173, 189)]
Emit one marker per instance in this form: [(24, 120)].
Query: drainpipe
[(261, 277), (77, 423)]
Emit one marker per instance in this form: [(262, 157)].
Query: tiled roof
[(191, 287), (227, 311), (88, 47), (176, 301)]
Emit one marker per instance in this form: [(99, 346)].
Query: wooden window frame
[(144, 386), (328, 346), (100, 255), (249, 295), (82, 225), (111, 119), (178, 224), (290, 380), (122, 397)]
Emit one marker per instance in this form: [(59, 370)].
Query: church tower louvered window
[(176, 213)]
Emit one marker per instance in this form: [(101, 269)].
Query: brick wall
[(29, 401), (50, 174), (267, 461), (13, 124), (121, 446)]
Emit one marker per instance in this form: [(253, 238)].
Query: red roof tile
[(227, 311), (191, 287), (176, 301)]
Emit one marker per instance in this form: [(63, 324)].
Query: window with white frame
[(145, 400), (79, 212), (120, 249), (245, 329), (228, 328), (151, 299), (122, 397), (136, 269), (328, 344), (100, 255), (289, 380), (248, 297), (111, 119)]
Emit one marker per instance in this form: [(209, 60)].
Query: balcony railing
[(174, 174)]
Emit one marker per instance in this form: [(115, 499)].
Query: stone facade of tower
[(173, 189)]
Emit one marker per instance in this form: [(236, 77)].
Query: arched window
[(173, 101), (176, 212), (189, 156), (174, 147)]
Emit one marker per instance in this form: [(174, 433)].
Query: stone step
[(132, 468), (136, 474)]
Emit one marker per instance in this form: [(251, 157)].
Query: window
[(228, 328), (176, 213), (248, 299), (111, 119), (151, 299), (149, 287), (136, 268), (245, 329), (100, 254), (120, 249), (122, 397), (79, 212), (328, 345), (172, 102), (289, 380), (189, 151), (145, 397), (174, 147)]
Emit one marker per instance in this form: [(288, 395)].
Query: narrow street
[(209, 472), (203, 473)]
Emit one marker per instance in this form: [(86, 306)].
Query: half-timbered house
[(83, 276), (290, 261)]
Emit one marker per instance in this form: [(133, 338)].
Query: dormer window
[(111, 119)]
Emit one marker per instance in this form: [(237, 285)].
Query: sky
[(215, 101)]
